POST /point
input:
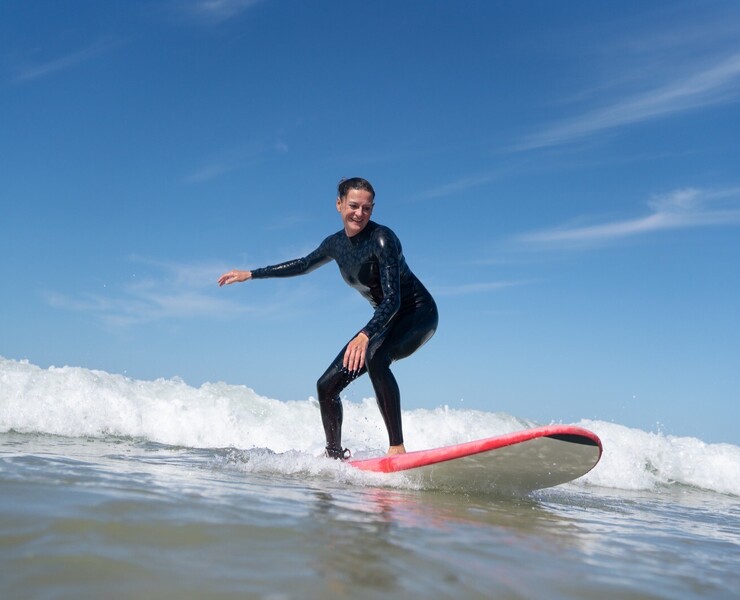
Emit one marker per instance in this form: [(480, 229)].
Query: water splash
[(78, 402)]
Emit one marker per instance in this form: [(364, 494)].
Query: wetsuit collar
[(356, 239)]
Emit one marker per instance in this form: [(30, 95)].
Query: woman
[(370, 260)]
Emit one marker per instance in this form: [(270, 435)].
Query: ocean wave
[(78, 402)]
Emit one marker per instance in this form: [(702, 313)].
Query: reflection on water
[(118, 517)]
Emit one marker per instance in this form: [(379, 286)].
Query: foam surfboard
[(515, 462)]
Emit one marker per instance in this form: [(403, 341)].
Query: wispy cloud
[(169, 291), (234, 159), (208, 172), (455, 187), (466, 289), (217, 11), (289, 221), (470, 182), (680, 209), (29, 72), (711, 84)]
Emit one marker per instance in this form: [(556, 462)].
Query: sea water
[(116, 488)]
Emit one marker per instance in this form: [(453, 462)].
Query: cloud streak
[(715, 84), (209, 172), (217, 11), (176, 291), (235, 159), (456, 187), (29, 72), (473, 288), (681, 209), (464, 184)]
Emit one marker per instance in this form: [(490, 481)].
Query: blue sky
[(564, 177)]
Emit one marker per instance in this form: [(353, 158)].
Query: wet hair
[(354, 183)]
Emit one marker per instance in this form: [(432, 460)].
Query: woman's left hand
[(354, 355)]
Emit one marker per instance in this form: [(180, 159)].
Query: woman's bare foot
[(400, 449)]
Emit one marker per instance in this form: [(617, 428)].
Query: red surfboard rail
[(421, 458)]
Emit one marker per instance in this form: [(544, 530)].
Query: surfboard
[(517, 462)]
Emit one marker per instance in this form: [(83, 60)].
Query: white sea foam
[(76, 402)]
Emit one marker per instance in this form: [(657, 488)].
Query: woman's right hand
[(234, 276)]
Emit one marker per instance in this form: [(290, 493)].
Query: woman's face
[(356, 208)]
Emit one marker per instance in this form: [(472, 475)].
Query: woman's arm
[(291, 268)]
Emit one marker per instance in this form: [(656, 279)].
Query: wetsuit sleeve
[(297, 266), (389, 256)]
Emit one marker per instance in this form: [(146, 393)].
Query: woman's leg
[(407, 334), (328, 389)]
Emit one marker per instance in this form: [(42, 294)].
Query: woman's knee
[(333, 381), (326, 384)]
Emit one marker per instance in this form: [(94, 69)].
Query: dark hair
[(354, 183)]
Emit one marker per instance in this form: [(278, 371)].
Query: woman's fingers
[(234, 276), (354, 355)]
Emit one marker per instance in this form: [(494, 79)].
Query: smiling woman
[(355, 205), (370, 260)]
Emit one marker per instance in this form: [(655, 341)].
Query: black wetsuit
[(405, 317)]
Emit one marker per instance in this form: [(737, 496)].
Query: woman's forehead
[(359, 197)]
